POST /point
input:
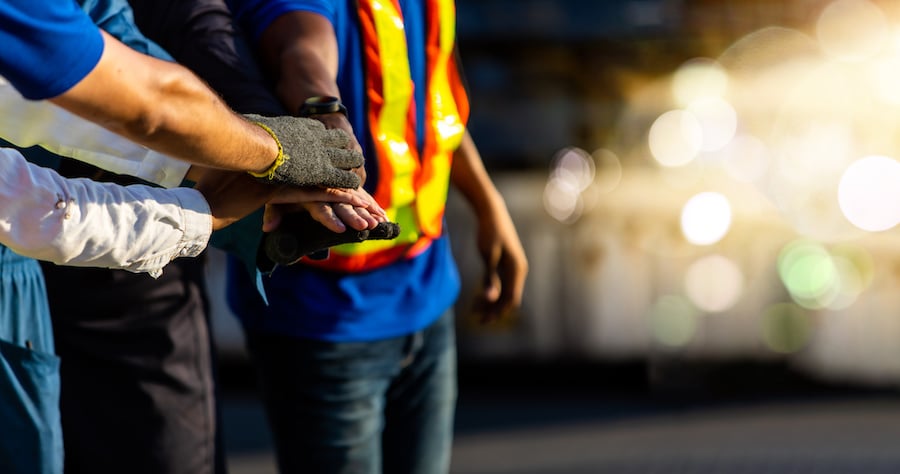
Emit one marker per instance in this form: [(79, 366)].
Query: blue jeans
[(360, 407)]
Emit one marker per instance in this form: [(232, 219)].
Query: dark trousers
[(137, 367), (137, 380), (137, 370)]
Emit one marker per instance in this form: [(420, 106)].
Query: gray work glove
[(313, 155)]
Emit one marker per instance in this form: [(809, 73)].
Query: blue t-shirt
[(390, 301), (48, 46)]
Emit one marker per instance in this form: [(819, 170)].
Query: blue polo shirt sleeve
[(256, 15), (48, 46)]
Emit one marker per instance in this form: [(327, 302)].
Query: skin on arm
[(166, 107), (300, 50), (498, 242)]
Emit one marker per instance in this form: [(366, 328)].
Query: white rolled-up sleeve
[(80, 222), (27, 123)]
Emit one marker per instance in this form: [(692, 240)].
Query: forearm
[(470, 177), (166, 107), (80, 222), (506, 265), (300, 51)]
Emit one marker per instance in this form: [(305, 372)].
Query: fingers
[(494, 303), (342, 179), (504, 283), (336, 138), (357, 218), (335, 208), (324, 213), (345, 159), (515, 271), (272, 217), (503, 294), (338, 217), (361, 172), (487, 303), (300, 195), (371, 205)]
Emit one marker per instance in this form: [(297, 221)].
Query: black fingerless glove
[(309, 154), (300, 235)]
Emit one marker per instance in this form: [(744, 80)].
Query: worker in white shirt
[(52, 51)]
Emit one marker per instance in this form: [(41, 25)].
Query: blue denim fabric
[(361, 407), (29, 372)]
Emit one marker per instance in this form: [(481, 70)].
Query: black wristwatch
[(322, 104)]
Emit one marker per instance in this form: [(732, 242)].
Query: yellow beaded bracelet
[(279, 160)]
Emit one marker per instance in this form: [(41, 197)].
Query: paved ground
[(565, 419)]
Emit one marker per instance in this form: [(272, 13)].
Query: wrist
[(279, 157), (322, 105)]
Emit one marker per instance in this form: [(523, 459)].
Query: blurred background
[(707, 191)]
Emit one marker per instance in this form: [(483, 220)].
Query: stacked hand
[(233, 195), (310, 154), (300, 235)]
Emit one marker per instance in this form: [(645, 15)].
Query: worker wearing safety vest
[(356, 352)]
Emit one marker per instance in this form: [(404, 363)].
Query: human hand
[(233, 195), (339, 121), (333, 208), (312, 154), (305, 229), (505, 266), (300, 235)]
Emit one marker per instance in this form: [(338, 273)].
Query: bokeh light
[(804, 144), (699, 78), (852, 283), (869, 193), (714, 283), (718, 122), (852, 30), (673, 321), (562, 200), (675, 138), (574, 166), (785, 328), (572, 172), (885, 76), (706, 218), (746, 158), (860, 258), (809, 273), (810, 157)]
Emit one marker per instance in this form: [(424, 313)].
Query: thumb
[(271, 218), (491, 291), (491, 257)]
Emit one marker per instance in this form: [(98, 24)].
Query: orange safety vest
[(412, 186)]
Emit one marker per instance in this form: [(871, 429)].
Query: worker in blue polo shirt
[(53, 51), (356, 352)]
